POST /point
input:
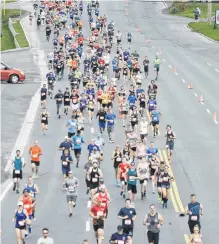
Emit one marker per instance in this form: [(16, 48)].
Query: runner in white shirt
[(143, 129), (143, 169), (45, 239)]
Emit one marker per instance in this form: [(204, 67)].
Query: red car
[(11, 75)]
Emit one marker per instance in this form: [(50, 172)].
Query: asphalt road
[(194, 163), (15, 100)]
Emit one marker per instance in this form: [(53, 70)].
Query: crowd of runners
[(107, 83)]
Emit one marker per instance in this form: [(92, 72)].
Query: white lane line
[(208, 111), (89, 204), (215, 121), (164, 60), (216, 70), (209, 64), (170, 66), (195, 94), (176, 73), (87, 225), (92, 130), (3, 194), (157, 53), (183, 80), (133, 25), (152, 46), (202, 103)]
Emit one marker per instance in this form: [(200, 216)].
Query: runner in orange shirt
[(35, 152), (28, 205)]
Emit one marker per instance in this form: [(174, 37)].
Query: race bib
[(134, 119), (59, 99), (44, 118), (35, 156), (111, 121), (194, 218), (165, 179), (67, 99), (131, 104), (78, 141), (64, 163), (94, 180), (102, 118), (26, 206), (118, 159), (17, 172), (43, 94), (100, 213), (128, 221), (142, 100), (123, 175), (21, 223), (131, 178), (74, 100), (120, 242), (71, 188), (155, 119)]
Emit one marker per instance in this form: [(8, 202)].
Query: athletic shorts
[(132, 188), (36, 163), (71, 198), (77, 151), (17, 175)]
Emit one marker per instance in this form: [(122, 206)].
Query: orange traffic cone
[(190, 86), (201, 100), (214, 116)]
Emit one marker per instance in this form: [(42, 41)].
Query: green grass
[(7, 40), (10, 1), (21, 38), (205, 29), (187, 9)]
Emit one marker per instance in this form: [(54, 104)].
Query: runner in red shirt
[(98, 213), (102, 196), (123, 167)]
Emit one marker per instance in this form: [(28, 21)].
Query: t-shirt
[(111, 118), (123, 170), (77, 140), (71, 184), (72, 124), (130, 212), (47, 240), (121, 238), (66, 164), (98, 211), (35, 151), (66, 145)]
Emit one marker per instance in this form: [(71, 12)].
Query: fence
[(13, 32)]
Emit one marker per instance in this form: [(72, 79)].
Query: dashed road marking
[(164, 60), (195, 94), (215, 121), (176, 73), (209, 64), (183, 80), (87, 225), (208, 111), (216, 70), (170, 66), (152, 46)]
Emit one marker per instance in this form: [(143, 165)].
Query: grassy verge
[(10, 1), (205, 29), (187, 9), (21, 38), (7, 40)]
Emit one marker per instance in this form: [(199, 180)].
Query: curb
[(16, 50), (25, 33), (187, 26)]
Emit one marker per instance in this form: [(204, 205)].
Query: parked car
[(11, 75)]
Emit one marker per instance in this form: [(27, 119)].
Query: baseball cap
[(25, 190), (119, 228), (69, 172), (20, 204), (102, 187)]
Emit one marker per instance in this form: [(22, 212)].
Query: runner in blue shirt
[(132, 100), (77, 141), (110, 119), (155, 119), (72, 127), (151, 150)]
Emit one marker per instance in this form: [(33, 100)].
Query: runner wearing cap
[(65, 145), (71, 183), (20, 219), (119, 237)]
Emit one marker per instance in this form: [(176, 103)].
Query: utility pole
[(209, 11)]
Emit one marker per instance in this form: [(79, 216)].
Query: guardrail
[(13, 32)]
